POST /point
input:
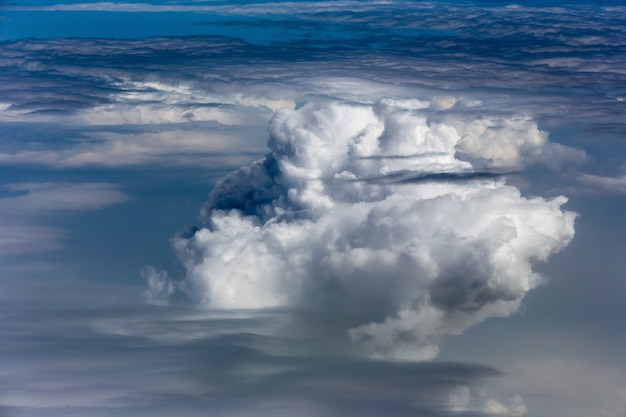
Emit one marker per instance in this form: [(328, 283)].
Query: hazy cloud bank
[(154, 361)]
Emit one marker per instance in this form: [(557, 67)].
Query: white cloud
[(463, 399), (158, 103), (155, 114), (346, 213), (48, 197), (513, 143), (516, 407), (154, 102), (495, 407)]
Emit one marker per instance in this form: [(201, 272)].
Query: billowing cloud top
[(401, 224)]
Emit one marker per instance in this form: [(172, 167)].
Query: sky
[(312, 208)]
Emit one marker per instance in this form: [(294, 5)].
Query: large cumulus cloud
[(402, 225)]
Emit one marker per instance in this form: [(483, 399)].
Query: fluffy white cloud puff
[(400, 223)]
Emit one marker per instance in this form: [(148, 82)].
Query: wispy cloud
[(27, 208), (601, 184), (169, 147)]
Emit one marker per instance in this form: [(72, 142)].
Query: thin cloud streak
[(610, 185), (29, 206)]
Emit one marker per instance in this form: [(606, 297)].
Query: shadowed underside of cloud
[(402, 264)]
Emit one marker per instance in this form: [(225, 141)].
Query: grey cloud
[(60, 359), (408, 177)]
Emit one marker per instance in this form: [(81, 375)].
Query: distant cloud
[(407, 262), (558, 382), (45, 198), (28, 206), (497, 143), (252, 8), (601, 184), (150, 123), (170, 147)]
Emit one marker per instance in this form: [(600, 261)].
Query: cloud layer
[(145, 361), (400, 223)]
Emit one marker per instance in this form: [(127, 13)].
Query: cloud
[(597, 183), (115, 82), (160, 287), (172, 146), (463, 399), (403, 263), (497, 143), (23, 237), (251, 8), (44, 198), (569, 385), (147, 122), (381, 246), (28, 206), (156, 102), (516, 408), (143, 360)]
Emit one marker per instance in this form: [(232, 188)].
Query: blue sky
[(313, 208)]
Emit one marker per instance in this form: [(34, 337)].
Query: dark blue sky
[(399, 249)]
